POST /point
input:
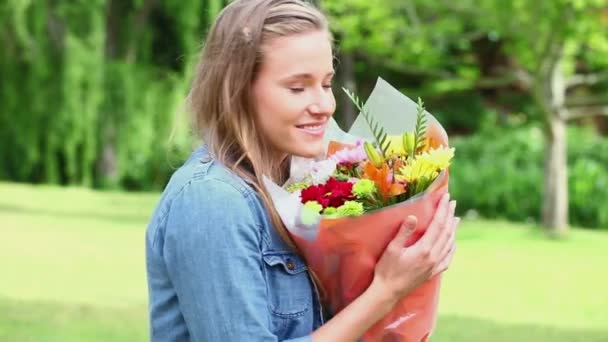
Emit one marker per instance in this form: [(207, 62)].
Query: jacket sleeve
[(213, 256)]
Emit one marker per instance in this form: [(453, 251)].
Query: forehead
[(301, 53)]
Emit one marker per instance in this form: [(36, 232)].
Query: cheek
[(278, 115), (281, 110)]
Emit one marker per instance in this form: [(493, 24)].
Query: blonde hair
[(221, 97)]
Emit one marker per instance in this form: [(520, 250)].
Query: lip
[(316, 129)]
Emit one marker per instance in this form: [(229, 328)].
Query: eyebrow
[(307, 75)]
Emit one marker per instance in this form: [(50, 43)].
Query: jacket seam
[(166, 212)]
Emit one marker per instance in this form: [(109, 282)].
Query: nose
[(323, 104)]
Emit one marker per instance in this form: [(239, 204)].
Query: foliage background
[(92, 91), (92, 125)]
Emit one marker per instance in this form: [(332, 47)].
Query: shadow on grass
[(460, 329)]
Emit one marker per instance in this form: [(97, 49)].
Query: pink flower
[(351, 155)]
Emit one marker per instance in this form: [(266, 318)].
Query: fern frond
[(380, 135), (421, 122), (384, 143)]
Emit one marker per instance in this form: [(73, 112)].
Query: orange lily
[(380, 178)]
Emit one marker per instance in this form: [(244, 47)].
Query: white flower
[(322, 170)]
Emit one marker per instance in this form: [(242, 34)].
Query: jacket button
[(290, 265)]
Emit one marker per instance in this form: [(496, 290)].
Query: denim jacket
[(216, 268)]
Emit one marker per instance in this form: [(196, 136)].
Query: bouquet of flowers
[(343, 210)]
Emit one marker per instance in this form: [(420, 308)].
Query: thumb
[(407, 228)]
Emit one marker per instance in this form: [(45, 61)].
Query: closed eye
[(296, 90)]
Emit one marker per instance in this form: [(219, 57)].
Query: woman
[(221, 266)]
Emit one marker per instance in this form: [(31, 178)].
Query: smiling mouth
[(314, 129)]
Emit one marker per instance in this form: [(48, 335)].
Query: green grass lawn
[(72, 264)]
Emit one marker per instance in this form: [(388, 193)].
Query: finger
[(430, 236), (450, 215), (446, 262), (407, 228), (444, 248), (446, 231)]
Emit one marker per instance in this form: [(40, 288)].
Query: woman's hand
[(400, 270)]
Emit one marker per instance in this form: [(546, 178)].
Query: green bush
[(498, 173)]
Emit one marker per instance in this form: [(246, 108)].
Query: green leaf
[(378, 131), (420, 131)]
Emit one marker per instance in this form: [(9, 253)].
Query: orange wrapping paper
[(346, 250), (345, 253)]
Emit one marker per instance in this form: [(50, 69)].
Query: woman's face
[(292, 93)]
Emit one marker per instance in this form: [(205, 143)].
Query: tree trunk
[(138, 27), (346, 71), (555, 199), (107, 164), (552, 97)]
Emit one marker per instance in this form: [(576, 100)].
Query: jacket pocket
[(289, 287)]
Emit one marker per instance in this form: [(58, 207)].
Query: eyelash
[(299, 90)]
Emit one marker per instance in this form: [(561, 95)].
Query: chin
[(310, 151)]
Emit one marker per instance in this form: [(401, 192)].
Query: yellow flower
[(395, 146), (426, 165), (439, 158), (416, 169)]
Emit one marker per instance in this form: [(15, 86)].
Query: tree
[(91, 88), (552, 50)]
